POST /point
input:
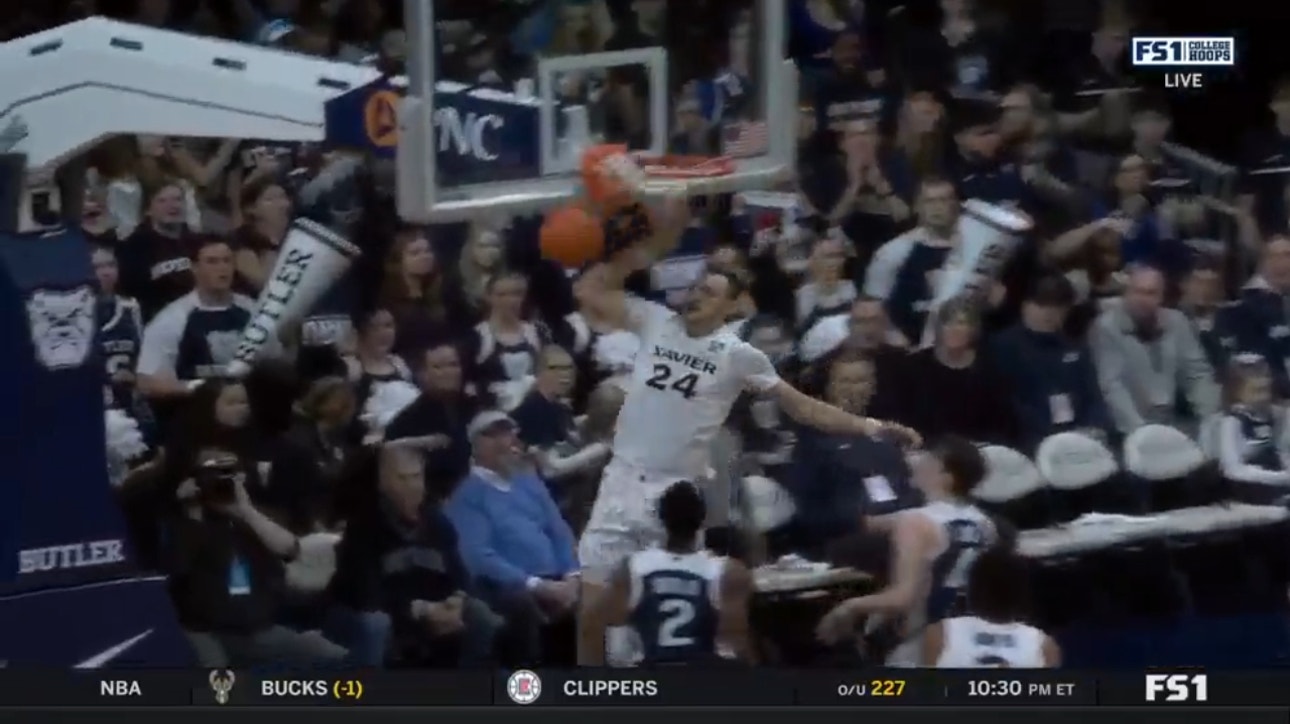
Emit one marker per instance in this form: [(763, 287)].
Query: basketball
[(572, 236), (610, 177)]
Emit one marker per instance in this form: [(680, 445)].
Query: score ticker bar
[(644, 687)]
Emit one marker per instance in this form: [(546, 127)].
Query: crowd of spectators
[(457, 535)]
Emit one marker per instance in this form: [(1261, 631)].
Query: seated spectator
[(1146, 354), (224, 564), (194, 337), (765, 439), (1260, 322), (398, 562), (1250, 448), (1096, 274), (481, 257), (413, 290), (867, 330), (951, 389), (545, 422), (835, 480), (504, 346), (516, 546), (1052, 383), (440, 414)]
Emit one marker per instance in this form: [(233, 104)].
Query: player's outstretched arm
[(911, 542), (822, 416)]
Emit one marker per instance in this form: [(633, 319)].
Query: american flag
[(742, 139)]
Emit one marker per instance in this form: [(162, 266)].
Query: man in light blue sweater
[(518, 549)]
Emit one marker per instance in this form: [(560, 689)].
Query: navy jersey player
[(933, 548), (120, 327), (993, 633), (195, 337), (686, 604)]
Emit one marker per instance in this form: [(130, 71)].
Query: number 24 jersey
[(681, 391)]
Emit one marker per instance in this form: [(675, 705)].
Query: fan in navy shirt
[(195, 337), (1267, 164), (119, 329), (546, 424), (156, 259), (981, 172), (904, 271)]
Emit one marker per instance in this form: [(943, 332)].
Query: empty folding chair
[(1131, 568), (1013, 489), (1168, 467)]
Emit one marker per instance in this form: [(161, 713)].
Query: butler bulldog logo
[(62, 326)]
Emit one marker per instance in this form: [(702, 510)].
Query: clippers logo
[(1177, 687)]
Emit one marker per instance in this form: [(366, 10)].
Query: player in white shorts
[(690, 369), (993, 634), (933, 548)]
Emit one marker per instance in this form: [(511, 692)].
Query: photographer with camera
[(225, 562)]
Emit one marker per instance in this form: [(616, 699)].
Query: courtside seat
[(1013, 489), (1169, 467), (1137, 578)]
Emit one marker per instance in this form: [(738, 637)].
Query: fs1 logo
[(1183, 52), (1177, 687)]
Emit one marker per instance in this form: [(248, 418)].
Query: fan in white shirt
[(690, 370)]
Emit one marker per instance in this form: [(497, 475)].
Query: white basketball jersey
[(973, 643), (680, 392)]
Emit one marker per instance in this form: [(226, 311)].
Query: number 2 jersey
[(681, 391), (675, 604), (969, 642)]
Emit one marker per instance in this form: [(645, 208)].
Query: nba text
[(1177, 687), (600, 687), (120, 687), (1184, 80)]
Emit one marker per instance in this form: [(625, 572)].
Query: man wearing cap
[(1052, 382), (519, 550)]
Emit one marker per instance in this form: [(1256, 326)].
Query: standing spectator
[(513, 540), (846, 90), (546, 425), (1263, 193), (962, 54), (903, 272), (1053, 385), (97, 224), (504, 347), (195, 337), (826, 291), (1146, 354), (413, 290), (1250, 448), (981, 171), (481, 258), (374, 361), (1150, 124), (921, 133), (120, 327), (440, 414), (952, 389), (156, 263), (1260, 320), (266, 215), (1202, 302)]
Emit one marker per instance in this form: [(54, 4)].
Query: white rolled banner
[(310, 260), (988, 235)]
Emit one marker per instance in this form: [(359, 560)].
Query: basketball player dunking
[(686, 604), (690, 369), (992, 635), (933, 548)]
